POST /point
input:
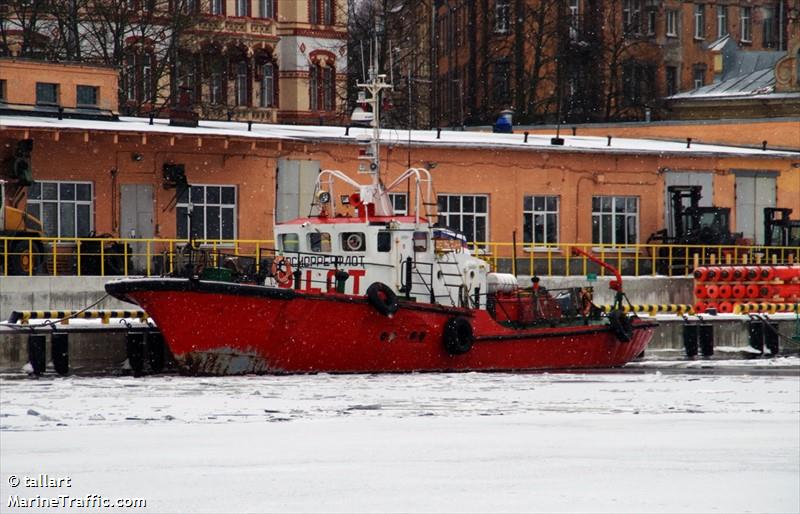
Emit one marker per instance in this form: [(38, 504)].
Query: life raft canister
[(458, 336), (621, 325), (382, 298), (281, 270)]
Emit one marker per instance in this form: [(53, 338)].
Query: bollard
[(705, 338), (771, 337), (690, 340), (155, 351), (135, 347), (341, 277), (296, 274), (755, 333), (59, 352), (37, 354)]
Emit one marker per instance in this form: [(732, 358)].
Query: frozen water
[(647, 442)]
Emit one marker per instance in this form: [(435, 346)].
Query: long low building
[(109, 177)]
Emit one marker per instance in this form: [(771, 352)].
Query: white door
[(136, 221), (754, 191), (295, 188)]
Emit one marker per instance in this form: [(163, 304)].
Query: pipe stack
[(727, 288)]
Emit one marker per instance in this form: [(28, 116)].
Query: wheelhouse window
[(46, 94), (384, 241), (399, 203), (87, 96), (213, 212), (502, 16), (540, 219), (467, 214), (64, 208), (699, 21), (319, 242), (353, 242), (615, 219), (289, 242)]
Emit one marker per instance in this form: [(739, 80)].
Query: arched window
[(322, 87)]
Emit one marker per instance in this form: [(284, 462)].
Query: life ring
[(585, 302), (382, 298), (621, 325), (281, 270), (458, 336), (354, 242)]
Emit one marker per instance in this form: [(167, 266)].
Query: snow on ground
[(476, 442)]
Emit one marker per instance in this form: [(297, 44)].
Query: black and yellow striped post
[(653, 309), (63, 317)]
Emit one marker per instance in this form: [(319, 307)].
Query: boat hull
[(219, 328)]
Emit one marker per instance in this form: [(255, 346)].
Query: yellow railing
[(149, 257)]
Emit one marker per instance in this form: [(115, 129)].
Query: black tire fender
[(621, 325), (382, 298), (458, 336)]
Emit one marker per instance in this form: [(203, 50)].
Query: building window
[(746, 24), (769, 28), (672, 23), (321, 12), (266, 8), (2, 90), (722, 20), (574, 19), (130, 77), (327, 12), (638, 83), (87, 96), (501, 82), (268, 85), (216, 7), (698, 75), (65, 208), (313, 11), (615, 220), (241, 83), (672, 80), (501, 15), (242, 6), (147, 77), (699, 21), (313, 86), (321, 88), (651, 22), (213, 212), (328, 88), (399, 203), (632, 16), (540, 218), (46, 94), (467, 214)]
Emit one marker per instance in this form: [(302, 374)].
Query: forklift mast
[(677, 195)]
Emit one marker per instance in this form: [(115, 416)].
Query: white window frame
[(699, 21), (722, 20), (397, 199), (130, 77), (672, 23), (241, 83), (614, 214), (698, 83), (268, 85), (768, 26), (460, 213), (205, 205), (241, 7), (266, 8), (36, 206), (502, 10), (746, 23), (542, 216), (216, 7), (147, 77)]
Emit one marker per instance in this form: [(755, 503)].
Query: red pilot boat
[(376, 292)]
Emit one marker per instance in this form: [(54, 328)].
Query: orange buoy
[(725, 291), (712, 291), (786, 273), (752, 273), (738, 291), (712, 274), (712, 305), (765, 273), (739, 273), (725, 273), (700, 274), (700, 307), (700, 291), (752, 291), (725, 307)]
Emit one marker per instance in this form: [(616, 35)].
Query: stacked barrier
[(747, 289)]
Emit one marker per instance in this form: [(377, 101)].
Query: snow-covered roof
[(417, 138)]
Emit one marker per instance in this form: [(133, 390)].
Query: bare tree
[(21, 25)]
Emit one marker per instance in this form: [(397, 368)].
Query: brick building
[(594, 60), (259, 60)]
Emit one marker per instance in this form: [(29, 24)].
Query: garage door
[(754, 191)]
